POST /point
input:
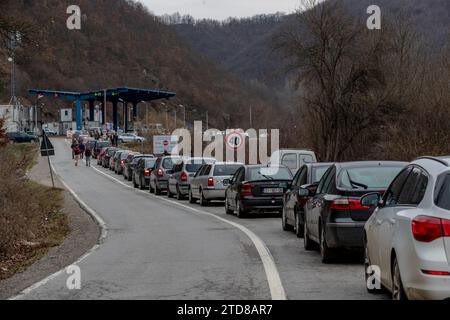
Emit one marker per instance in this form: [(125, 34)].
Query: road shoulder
[(84, 234)]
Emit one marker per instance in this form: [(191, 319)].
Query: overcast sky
[(221, 9)]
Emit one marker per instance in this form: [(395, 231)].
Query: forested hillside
[(120, 44)]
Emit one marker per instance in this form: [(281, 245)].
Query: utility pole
[(15, 38)]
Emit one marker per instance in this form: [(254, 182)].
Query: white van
[(294, 159)]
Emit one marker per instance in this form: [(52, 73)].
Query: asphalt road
[(158, 249)]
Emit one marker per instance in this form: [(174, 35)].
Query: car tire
[(398, 291), (367, 264), (191, 197), (241, 213), (326, 254), (308, 244), (284, 223), (299, 228), (179, 195), (227, 207), (203, 201)]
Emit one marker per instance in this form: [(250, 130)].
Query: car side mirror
[(302, 192), (370, 200)]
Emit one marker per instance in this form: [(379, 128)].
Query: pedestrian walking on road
[(88, 154), (82, 149), (74, 144), (76, 153)]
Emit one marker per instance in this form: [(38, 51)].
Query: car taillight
[(347, 204), (122, 162), (428, 229), (184, 176), (246, 189), (210, 182), (435, 273), (146, 173), (160, 172)]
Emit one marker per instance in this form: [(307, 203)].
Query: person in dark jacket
[(88, 154), (76, 152), (82, 149)]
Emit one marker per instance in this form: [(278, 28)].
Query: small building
[(21, 118)]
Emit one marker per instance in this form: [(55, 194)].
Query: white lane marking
[(103, 235), (273, 277)]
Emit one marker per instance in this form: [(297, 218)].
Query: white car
[(49, 132), (407, 238), (129, 137), (292, 158)]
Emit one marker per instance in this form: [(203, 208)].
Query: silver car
[(407, 238), (210, 182), (182, 174)]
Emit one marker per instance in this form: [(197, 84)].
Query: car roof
[(228, 163), (356, 164)]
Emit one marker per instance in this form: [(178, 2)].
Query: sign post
[(48, 150)]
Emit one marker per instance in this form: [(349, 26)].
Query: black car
[(21, 137), (307, 177), (257, 187), (130, 164), (334, 216), (142, 172), (108, 155), (98, 146)]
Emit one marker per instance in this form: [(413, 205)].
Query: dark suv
[(21, 137)]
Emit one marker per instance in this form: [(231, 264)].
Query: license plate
[(273, 190)]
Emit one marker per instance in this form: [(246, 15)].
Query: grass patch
[(31, 221)]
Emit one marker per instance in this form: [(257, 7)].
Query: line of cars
[(397, 213)]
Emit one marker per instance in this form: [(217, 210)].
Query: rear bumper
[(345, 234), (184, 188), (263, 203), (214, 194), (162, 184)]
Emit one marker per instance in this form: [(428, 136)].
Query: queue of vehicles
[(397, 213)]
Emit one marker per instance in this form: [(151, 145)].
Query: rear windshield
[(102, 144), (317, 173), (124, 155), (193, 167), (169, 162), (226, 170), (368, 177), (150, 163), (442, 197), (111, 152), (269, 173)]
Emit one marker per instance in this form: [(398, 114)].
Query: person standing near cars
[(76, 152), (88, 154), (82, 149), (74, 144)]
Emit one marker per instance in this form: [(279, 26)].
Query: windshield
[(317, 173), (226, 170), (269, 173), (150, 163), (169, 162), (368, 177)]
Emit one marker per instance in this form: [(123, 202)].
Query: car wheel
[(398, 292), (203, 201), (141, 185), (179, 195), (308, 244), (241, 213), (151, 190), (325, 252), (191, 197), (368, 275), (284, 223), (299, 228), (227, 207)]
